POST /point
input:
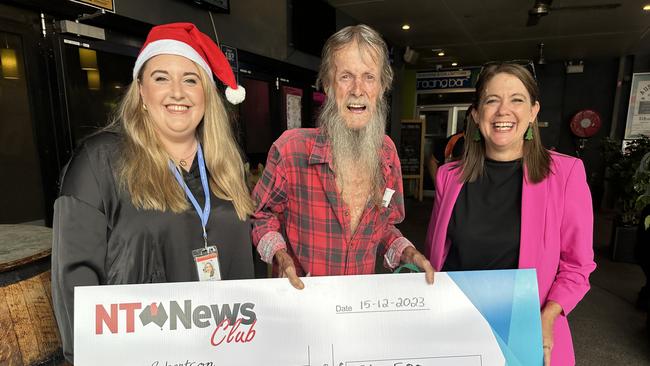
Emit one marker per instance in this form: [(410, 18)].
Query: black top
[(100, 238), (485, 226)]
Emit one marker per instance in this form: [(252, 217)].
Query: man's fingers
[(287, 269), (295, 281), (422, 262), (411, 255), (430, 274)]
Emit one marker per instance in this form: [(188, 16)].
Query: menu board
[(411, 147), (411, 152)]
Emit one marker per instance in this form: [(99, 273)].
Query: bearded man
[(330, 197)]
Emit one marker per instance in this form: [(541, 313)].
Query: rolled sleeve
[(269, 244), (393, 255)]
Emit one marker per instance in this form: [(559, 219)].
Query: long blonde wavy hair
[(144, 170)]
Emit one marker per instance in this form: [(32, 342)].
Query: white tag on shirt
[(388, 195)]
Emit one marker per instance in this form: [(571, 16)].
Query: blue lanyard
[(205, 213)]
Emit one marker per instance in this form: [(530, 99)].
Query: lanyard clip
[(205, 238)]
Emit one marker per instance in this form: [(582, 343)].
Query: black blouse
[(100, 238), (485, 225)]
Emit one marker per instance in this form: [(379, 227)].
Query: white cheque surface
[(374, 320)]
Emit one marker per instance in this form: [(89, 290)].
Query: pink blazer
[(556, 237)]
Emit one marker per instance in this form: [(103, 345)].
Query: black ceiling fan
[(543, 8)]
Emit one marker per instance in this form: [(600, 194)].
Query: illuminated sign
[(443, 80)]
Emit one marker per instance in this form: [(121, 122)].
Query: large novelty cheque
[(478, 318)]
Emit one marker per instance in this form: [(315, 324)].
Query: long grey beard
[(356, 151)]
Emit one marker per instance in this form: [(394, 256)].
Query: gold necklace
[(183, 162)]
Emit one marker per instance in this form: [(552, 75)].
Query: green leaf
[(642, 201)]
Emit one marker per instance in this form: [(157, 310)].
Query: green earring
[(477, 135), (529, 133)]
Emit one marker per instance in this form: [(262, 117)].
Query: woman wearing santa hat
[(160, 192)]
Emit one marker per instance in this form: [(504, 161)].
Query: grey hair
[(367, 39)]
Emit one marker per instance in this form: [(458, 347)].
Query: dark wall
[(563, 95), (260, 27), (642, 63), (551, 83)]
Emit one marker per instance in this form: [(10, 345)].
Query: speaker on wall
[(411, 56)]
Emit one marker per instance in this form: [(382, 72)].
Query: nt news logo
[(232, 323)]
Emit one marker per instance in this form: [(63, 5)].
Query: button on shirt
[(299, 208)]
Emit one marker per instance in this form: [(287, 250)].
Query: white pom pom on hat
[(184, 39), (235, 96)]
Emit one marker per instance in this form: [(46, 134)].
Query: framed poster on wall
[(638, 112), (292, 106)]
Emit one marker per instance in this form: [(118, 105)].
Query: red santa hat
[(184, 39)]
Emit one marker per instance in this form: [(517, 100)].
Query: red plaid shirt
[(297, 199)]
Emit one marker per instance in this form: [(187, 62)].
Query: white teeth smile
[(178, 108), (500, 126), (357, 107)]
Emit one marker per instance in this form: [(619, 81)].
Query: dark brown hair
[(536, 158)]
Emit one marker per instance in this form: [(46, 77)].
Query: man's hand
[(287, 269), (411, 255)]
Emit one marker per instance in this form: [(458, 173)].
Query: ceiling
[(472, 32)]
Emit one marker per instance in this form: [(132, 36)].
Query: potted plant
[(642, 187), (629, 190)]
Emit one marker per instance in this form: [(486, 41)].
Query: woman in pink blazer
[(510, 203)]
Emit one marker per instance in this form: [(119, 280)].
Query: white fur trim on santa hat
[(236, 96), (169, 47)]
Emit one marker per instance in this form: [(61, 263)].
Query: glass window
[(95, 81), (21, 191)]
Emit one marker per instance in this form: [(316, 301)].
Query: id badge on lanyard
[(207, 263), (206, 258)]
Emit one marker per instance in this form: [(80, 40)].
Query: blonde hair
[(144, 169), (536, 158)]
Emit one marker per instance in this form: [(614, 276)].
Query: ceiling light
[(441, 53), (406, 27), (454, 64), (646, 7)]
